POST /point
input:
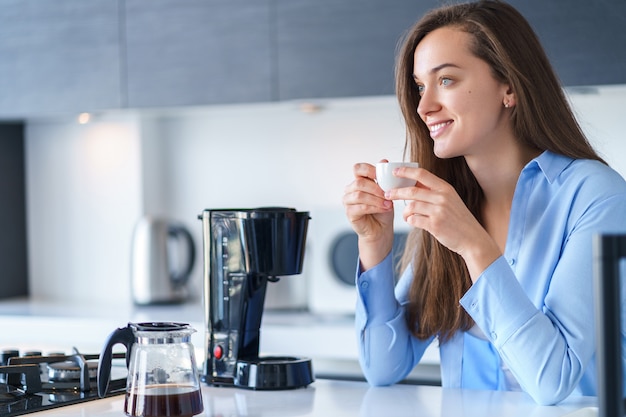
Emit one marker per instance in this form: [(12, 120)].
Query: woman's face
[(461, 102)]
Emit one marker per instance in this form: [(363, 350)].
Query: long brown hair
[(541, 119)]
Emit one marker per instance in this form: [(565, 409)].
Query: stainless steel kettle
[(162, 258)]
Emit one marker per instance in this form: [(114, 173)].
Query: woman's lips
[(436, 129)]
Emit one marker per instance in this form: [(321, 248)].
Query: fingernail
[(387, 195), (388, 203)]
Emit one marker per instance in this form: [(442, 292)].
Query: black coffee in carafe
[(163, 378), (165, 401)]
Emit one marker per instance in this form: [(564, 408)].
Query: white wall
[(83, 188), (602, 115), (175, 164), (87, 185)]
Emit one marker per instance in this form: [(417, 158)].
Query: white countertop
[(343, 398), (328, 340)]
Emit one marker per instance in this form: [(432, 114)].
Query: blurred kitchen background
[(111, 110)]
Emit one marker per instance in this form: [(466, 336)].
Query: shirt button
[(365, 285), (474, 305), (494, 336), (512, 261)]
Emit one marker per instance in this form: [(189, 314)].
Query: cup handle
[(125, 336)]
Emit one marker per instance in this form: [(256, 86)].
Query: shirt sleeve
[(547, 348), (387, 349)]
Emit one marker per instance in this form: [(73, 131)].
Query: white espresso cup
[(385, 178)]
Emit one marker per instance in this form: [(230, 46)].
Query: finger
[(418, 221), (364, 170), (414, 193), (359, 197), (367, 185), (423, 177)]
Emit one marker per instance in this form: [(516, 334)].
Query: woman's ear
[(509, 99)]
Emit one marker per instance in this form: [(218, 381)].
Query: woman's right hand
[(370, 215)]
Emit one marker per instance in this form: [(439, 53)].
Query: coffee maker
[(244, 250)]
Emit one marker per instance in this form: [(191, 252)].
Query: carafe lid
[(162, 332)]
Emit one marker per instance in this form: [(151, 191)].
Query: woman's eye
[(446, 82), (420, 89)]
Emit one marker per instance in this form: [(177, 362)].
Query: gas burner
[(67, 371), (32, 382), (9, 395)]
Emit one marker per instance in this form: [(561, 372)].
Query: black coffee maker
[(244, 249)]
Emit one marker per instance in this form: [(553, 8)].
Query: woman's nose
[(427, 104)]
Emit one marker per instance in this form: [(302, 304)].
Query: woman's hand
[(370, 214), (434, 206)]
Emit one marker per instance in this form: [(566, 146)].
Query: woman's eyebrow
[(438, 68)]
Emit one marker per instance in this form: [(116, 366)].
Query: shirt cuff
[(497, 302), (375, 289)]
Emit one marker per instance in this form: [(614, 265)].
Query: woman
[(508, 196)]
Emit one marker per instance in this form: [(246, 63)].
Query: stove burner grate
[(35, 383), (66, 371)]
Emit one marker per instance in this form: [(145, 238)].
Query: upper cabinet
[(58, 56), (585, 40), (76, 55), (195, 52), (329, 48)]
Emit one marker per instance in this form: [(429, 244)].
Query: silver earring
[(506, 105)]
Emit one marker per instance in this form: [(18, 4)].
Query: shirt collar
[(551, 164)]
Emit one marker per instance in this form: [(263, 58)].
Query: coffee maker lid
[(259, 212)]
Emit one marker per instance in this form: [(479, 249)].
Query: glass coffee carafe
[(162, 373)]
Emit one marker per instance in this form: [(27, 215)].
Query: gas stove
[(32, 382)]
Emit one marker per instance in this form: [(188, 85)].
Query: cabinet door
[(330, 48), (585, 40), (194, 52), (58, 56)]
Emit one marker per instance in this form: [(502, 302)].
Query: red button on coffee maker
[(218, 352)]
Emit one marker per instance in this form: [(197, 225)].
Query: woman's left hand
[(434, 206)]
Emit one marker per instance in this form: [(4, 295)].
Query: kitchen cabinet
[(340, 49), (197, 52), (585, 40), (71, 56), (58, 56)]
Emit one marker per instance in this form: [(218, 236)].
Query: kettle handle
[(183, 276), (123, 335)]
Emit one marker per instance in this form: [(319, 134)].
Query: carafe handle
[(123, 335)]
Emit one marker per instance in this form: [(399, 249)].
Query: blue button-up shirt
[(533, 307)]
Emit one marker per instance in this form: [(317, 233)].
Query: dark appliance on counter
[(13, 242), (609, 254), (244, 250), (31, 382)]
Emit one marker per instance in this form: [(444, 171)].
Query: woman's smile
[(438, 128)]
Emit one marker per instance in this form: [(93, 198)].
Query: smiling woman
[(463, 105), (507, 198)]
